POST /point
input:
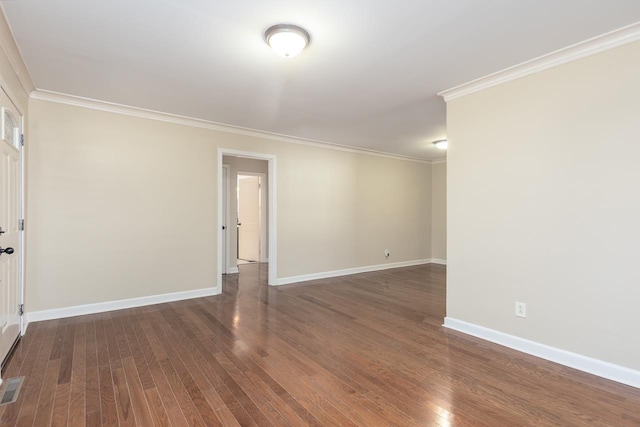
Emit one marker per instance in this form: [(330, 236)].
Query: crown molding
[(439, 161), (77, 101), (571, 53), (10, 47)]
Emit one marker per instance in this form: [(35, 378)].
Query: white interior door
[(10, 239), (249, 218)]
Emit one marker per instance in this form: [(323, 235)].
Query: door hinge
[(21, 225), (22, 139), (21, 309)]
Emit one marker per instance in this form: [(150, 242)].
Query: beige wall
[(244, 165), (123, 207), (118, 207), (342, 210), (543, 206), (439, 212)]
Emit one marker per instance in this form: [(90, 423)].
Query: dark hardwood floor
[(363, 350)]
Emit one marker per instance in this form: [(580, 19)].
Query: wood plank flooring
[(362, 350)]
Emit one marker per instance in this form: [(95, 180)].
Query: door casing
[(225, 219), (20, 250), (272, 208)]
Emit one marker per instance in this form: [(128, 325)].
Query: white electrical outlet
[(387, 253), (521, 309)]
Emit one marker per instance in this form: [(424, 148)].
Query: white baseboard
[(438, 261), (593, 366), (348, 271), (233, 270), (78, 310)]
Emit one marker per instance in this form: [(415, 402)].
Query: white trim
[(593, 366), (438, 261), (233, 270), (348, 271), (571, 53), (23, 217), (219, 267), (79, 310), (439, 161), (77, 101), (225, 216), (272, 196), (21, 200)]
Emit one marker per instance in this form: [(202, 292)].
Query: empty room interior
[(331, 213)]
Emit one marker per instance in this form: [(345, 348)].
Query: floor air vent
[(11, 390)]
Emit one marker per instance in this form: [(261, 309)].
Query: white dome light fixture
[(441, 144), (287, 40)]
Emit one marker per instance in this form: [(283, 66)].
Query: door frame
[(22, 208), (272, 191), (262, 255), (21, 263), (226, 189)]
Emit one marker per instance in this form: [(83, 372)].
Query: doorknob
[(7, 251), (1, 230)]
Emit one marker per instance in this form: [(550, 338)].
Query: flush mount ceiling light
[(287, 40), (441, 144)]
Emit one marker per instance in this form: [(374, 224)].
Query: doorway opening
[(251, 204), (246, 211)]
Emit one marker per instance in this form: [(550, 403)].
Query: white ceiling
[(368, 79)]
